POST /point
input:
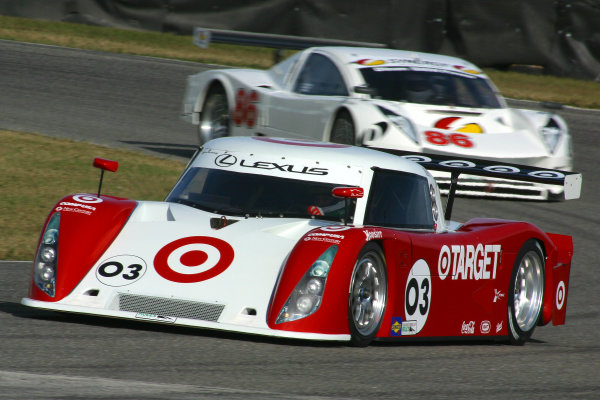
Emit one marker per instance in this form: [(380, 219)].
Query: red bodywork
[(456, 303), (83, 216)]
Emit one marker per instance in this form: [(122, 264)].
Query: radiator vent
[(170, 307)]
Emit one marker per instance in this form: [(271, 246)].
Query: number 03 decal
[(417, 298), (121, 270)]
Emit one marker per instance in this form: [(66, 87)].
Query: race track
[(133, 103)]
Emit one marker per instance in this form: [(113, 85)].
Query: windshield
[(234, 193), (430, 87)]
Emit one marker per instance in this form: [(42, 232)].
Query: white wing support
[(570, 181)]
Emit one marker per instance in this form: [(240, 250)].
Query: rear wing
[(570, 181), (203, 37)]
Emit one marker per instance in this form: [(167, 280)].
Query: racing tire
[(525, 293), (343, 129), (214, 119), (367, 296)]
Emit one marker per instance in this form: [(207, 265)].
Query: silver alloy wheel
[(528, 291), (368, 293), (214, 121)]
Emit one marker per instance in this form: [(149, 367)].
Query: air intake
[(170, 307)]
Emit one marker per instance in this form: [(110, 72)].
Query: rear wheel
[(526, 293), (214, 120), (368, 294), (343, 130)]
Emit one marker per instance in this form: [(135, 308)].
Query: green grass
[(581, 93), (38, 171)]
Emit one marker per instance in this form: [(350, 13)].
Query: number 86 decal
[(121, 270), (417, 298)]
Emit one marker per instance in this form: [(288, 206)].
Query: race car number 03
[(440, 139), (121, 270), (417, 300)]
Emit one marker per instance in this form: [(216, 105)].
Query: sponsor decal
[(409, 328), (193, 259), (71, 209), (498, 327), (455, 124), (547, 174), (396, 326), (121, 270), (324, 237), (502, 169), (560, 295), (300, 142), (417, 294), (85, 206), (485, 327), (370, 235), (469, 261), (156, 318), (86, 198), (468, 328), (402, 61), (228, 160), (498, 295), (469, 71)]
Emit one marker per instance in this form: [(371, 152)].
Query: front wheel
[(343, 130), (526, 293), (368, 295), (214, 120)]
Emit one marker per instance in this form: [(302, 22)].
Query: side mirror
[(104, 165), (348, 192), (365, 90)]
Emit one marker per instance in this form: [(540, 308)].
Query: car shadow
[(21, 311)]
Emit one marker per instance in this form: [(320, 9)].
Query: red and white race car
[(309, 240)]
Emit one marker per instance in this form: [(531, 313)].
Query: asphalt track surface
[(133, 102)]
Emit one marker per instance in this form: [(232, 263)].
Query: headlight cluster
[(404, 124), (551, 134), (307, 295), (44, 270)]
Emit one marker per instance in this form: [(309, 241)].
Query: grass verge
[(37, 171)]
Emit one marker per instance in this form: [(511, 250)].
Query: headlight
[(551, 134), (44, 271), (306, 296), (404, 124)]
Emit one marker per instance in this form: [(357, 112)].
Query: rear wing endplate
[(570, 181)]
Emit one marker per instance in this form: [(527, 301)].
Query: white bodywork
[(280, 106)]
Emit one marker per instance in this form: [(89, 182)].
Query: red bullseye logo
[(193, 259)]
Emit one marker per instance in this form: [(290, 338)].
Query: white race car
[(383, 98)]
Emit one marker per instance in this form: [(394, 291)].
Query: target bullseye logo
[(193, 259), (444, 262), (560, 295), (86, 198)]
